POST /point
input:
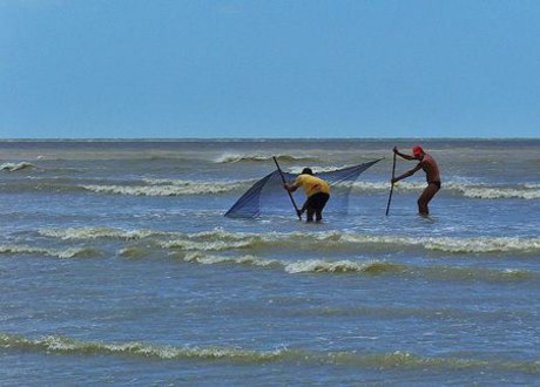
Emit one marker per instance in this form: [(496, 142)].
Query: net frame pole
[(392, 186), (290, 194)]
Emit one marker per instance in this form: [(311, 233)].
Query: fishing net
[(267, 196)]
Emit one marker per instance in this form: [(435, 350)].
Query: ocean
[(118, 267)]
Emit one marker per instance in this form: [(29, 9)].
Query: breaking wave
[(12, 167), (221, 240), (343, 266), (171, 187), (181, 183), (249, 260), (64, 345), (502, 193), (369, 267), (257, 157), (180, 187), (317, 169), (96, 233), (133, 252), (476, 191), (307, 266), (334, 240), (60, 345), (164, 187), (482, 245), (72, 252)]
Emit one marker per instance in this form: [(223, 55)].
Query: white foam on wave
[(186, 244), (454, 245), (261, 157), (501, 193), (369, 267), (337, 239), (71, 252), (179, 188), (97, 232), (182, 183), (475, 190), (59, 344), (294, 267), (341, 266), (221, 240), (366, 186), (317, 169), (300, 266), (482, 244), (252, 260), (12, 167)]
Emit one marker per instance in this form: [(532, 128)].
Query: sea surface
[(117, 266)]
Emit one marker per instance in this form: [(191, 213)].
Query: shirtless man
[(317, 192), (429, 166)]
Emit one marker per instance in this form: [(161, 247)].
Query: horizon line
[(166, 139)]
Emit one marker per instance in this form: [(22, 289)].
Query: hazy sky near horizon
[(334, 68)]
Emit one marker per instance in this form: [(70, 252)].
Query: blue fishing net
[(267, 196)]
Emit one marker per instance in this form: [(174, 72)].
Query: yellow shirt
[(312, 184)]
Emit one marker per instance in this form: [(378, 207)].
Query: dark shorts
[(437, 183), (317, 202)]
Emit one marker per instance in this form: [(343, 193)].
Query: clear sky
[(272, 68)]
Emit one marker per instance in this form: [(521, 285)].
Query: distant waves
[(262, 157), (170, 187)]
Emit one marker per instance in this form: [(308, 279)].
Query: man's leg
[(310, 213), (322, 203), (426, 197)]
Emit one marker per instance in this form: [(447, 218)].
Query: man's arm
[(290, 187), (403, 155), (407, 174)]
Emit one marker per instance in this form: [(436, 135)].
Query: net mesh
[(267, 196)]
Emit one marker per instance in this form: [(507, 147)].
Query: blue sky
[(336, 68)]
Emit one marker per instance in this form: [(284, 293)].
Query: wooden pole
[(290, 195)]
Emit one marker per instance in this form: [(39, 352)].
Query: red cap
[(417, 151)]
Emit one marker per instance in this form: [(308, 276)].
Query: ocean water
[(118, 267)]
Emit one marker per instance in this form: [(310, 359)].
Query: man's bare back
[(430, 167)]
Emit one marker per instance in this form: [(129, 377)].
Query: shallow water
[(117, 266)]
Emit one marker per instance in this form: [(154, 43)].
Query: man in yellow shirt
[(317, 192)]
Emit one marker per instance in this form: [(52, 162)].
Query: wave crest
[(483, 245), (397, 359), (527, 191), (96, 233), (221, 240), (162, 187), (371, 267), (343, 266), (12, 167), (60, 344), (307, 266), (258, 157), (243, 260), (72, 252), (502, 193)]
